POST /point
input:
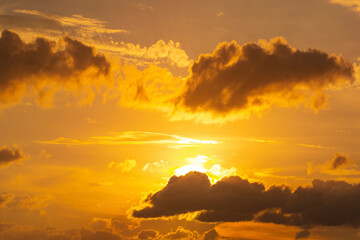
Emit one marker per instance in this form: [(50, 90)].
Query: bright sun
[(215, 173), (196, 164)]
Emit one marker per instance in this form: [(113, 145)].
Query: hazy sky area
[(154, 119)]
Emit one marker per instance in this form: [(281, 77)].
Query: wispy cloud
[(79, 22), (352, 4), (144, 7), (270, 141), (132, 137), (313, 146), (94, 32), (219, 14), (124, 166)]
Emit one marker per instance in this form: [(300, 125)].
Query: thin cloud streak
[(132, 137)]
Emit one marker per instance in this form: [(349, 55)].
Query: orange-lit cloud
[(325, 203), (43, 66), (93, 32), (340, 165), (257, 231), (132, 137), (151, 167), (238, 80), (352, 4), (78, 22), (124, 166), (9, 155), (36, 202), (181, 234), (148, 234), (153, 88)]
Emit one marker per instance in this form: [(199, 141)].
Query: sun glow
[(215, 173)]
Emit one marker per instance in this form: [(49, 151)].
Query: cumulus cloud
[(43, 66), (325, 203), (238, 80), (10, 155)]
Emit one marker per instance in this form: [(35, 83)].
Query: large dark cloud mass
[(8, 155), (43, 64), (254, 76), (325, 203)]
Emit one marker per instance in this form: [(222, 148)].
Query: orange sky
[(107, 107)]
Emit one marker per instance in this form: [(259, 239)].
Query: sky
[(154, 119)]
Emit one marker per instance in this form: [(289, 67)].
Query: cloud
[(340, 164), (34, 202), (211, 235), (236, 81), (44, 66), (94, 32), (124, 166), (148, 234), (151, 167), (144, 7), (352, 4), (339, 161), (34, 22), (302, 234), (325, 203), (220, 14), (181, 233), (8, 155), (132, 137)]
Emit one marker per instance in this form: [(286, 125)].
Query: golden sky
[(154, 119)]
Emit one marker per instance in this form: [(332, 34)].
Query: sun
[(196, 164)]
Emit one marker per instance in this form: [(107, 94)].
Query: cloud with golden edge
[(43, 67), (132, 137), (93, 32), (197, 164), (236, 81), (233, 199)]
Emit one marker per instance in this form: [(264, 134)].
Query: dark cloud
[(43, 65), (147, 234), (211, 235), (325, 203), (339, 160), (302, 234), (8, 155), (252, 77)]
